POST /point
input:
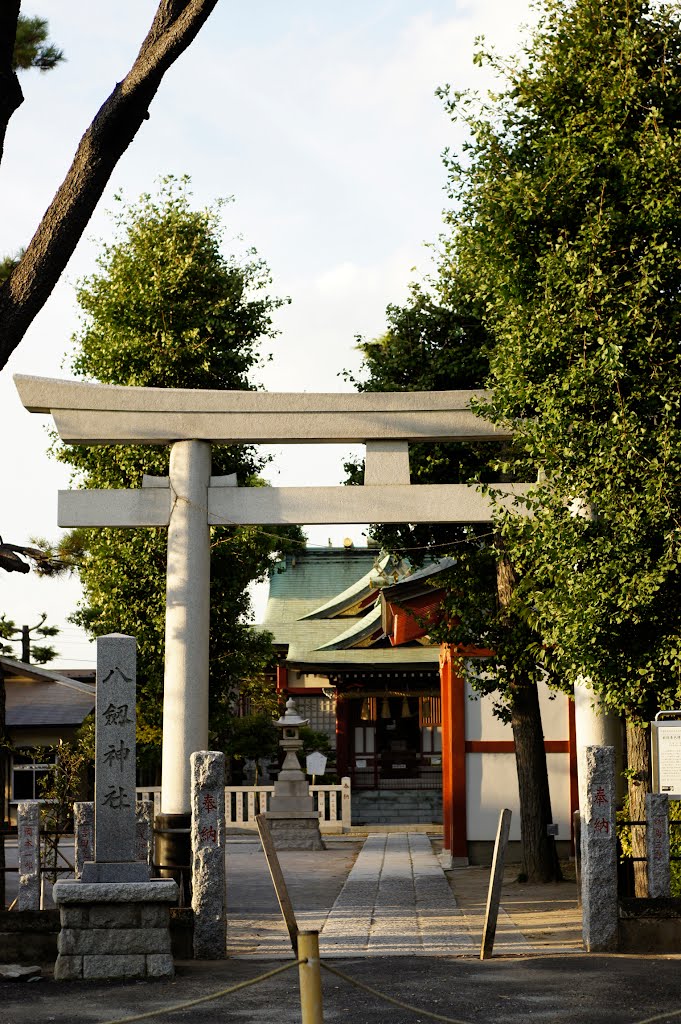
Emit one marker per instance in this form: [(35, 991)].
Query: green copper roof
[(307, 580)]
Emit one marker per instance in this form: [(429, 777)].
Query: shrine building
[(350, 631)]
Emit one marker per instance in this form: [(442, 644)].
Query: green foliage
[(166, 308), (566, 214), (313, 740), (429, 345), (8, 263), (40, 654), (253, 737), (59, 789), (31, 48), (437, 341)]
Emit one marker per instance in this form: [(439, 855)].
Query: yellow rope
[(397, 1002), (206, 999), (660, 1016)]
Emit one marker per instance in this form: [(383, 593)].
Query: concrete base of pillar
[(299, 832), (114, 930)]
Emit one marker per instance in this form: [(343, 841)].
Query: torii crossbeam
[(190, 500)]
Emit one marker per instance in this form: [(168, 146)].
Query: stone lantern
[(292, 819)]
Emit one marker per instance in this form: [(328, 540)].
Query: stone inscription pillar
[(115, 764), (83, 834), (28, 838), (185, 688), (208, 854), (657, 845), (599, 853)]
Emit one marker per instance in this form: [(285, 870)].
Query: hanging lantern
[(426, 709), (385, 708), (365, 713), (406, 713)]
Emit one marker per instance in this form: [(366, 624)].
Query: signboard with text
[(315, 763), (666, 756)]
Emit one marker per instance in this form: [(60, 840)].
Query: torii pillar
[(187, 629), (189, 500)]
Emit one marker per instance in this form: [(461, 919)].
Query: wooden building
[(420, 746)]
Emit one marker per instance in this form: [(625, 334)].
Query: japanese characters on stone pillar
[(208, 854), (599, 853), (28, 838), (115, 765), (657, 845), (83, 833)]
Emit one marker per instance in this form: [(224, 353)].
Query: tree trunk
[(638, 784), (539, 855), (113, 128), (11, 96)]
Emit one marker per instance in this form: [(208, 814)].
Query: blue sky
[(320, 120)]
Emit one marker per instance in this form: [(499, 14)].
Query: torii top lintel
[(94, 414)]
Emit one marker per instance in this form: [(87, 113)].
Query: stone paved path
[(396, 901)]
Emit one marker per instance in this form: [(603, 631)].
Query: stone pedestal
[(114, 930), (295, 831), (292, 819)]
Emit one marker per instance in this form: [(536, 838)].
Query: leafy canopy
[(567, 206), (166, 308)]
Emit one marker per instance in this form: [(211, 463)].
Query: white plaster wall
[(482, 724), (492, 783), (554, 713), (296, 678)]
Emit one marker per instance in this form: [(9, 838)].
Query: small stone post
[(144, 830), (28, 821), (599, 853), (657, 845), (208, 854), (83, 833)]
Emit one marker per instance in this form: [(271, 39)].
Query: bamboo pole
[(312, 1011)]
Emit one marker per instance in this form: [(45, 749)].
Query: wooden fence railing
[(242, 803)]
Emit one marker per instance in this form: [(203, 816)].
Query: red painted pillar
[(282, 678), (453, 755), (342, 736)]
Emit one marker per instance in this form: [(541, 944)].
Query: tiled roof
[(37, 697), (324, 582), (367, 657), (307, 580), (362, 592), (358, 630)]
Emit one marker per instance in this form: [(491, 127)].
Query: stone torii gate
[(189, 500)]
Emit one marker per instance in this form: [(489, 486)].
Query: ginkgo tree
[(567, 214)]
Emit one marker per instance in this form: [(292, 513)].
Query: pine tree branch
[(24, 293)]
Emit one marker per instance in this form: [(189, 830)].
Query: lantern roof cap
[(291, 719)]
